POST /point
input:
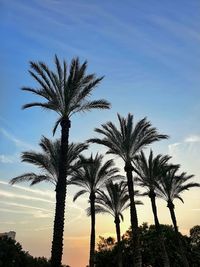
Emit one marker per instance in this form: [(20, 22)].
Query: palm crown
[(128, 139), (150, 170), (93, 174), (171, 185), (47, 161), (115, 200), (66, 90)]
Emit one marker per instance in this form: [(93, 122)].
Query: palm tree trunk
[(137, 258), (170, 205), (165, 257), (92, 235), (117, 225), (57, 243)]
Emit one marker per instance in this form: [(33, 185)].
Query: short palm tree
[(171, 186), (91, 177), (126, 142), (148, 172), (114, 201), (65, 91)]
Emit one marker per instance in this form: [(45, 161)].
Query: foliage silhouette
[(66, 91), (151, 255), (91, 177), (114, 201), (149, 171), (170, 187), (126, 142), (48, 160), (12, 255)]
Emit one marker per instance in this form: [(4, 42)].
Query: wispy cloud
[(35, 214), (196, 209), (134, 37), (24, 206), (78, 217), (172, 147), (7, 194), (192, 139), (46, 193), (7, 222), (41, 214), (43, 228), (14, 223), (177, 27), (186, 153), (6, 158), (15, 140), (13, 211), (38, 212)]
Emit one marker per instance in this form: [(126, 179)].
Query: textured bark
[(173, 217), (165, 258), (118, 232), (117, 226), (170, 205), (137, 258), (92, 235), (57, 243)]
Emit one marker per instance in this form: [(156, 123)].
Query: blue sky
[(149, 52)]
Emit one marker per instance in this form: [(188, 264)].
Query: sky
[(149, 52)]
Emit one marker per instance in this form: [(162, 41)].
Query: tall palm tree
[(114, 201), (66, 90), (126, 142), (91, 177), (148, 172), (171, 186)]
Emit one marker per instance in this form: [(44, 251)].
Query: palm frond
[(78, 194), (115, 199), (127, 140), (172, 184), (48, 161), (56, 125), (38, 104), (42, 178), (65, 93), (92, 173), (27, 177)]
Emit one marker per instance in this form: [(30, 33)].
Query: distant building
[(10, 234)]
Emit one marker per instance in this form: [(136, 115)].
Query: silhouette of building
[(10, 234)]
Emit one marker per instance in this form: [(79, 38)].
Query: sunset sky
[(149, 52)]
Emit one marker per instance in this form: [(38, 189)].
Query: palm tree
[(170, 187), (65, 91), (114, 201), (126, 142), (149, 171), (91, 177), (48, 161)]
